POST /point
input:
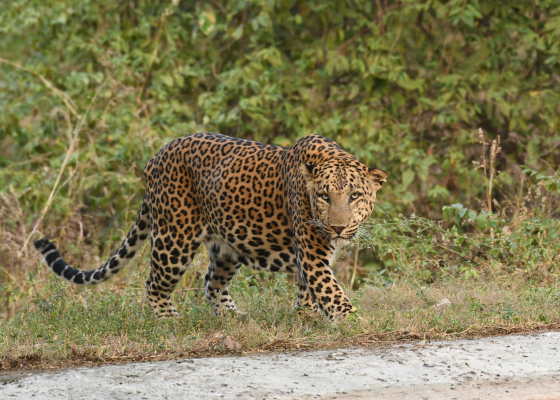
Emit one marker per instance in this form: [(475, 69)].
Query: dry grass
[(498, 278), (62, 326)]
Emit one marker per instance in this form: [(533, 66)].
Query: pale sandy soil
[(511, 367)]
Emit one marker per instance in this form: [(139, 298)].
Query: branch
[(366, 29), (420, 25), (73, 143), (358, 35), (168, 11), (65, 98), (222, 9), (450, 63), (244, 22), (380, 16)]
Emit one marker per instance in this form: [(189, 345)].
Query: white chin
[(339, 242)]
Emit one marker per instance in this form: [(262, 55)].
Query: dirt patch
[(36, 362), (521, 367)]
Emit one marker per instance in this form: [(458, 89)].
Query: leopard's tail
[(131, 244)]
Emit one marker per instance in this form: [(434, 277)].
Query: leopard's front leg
[(314, 267)]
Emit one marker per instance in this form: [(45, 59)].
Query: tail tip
[(41, 244)]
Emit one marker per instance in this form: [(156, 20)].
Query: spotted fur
[(270, 208)]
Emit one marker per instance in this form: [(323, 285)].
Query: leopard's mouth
[(339, 241)]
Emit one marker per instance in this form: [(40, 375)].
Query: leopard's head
[(342, 194)]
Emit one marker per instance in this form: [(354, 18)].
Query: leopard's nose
[(338, 229)]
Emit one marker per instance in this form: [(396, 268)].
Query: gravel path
[(511, 367)]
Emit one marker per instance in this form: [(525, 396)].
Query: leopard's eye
[(354, 196), (325, 197)]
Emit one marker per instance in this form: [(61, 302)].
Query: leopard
[(270, 208)]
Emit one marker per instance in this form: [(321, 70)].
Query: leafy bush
[(402, 85), (517, 236)]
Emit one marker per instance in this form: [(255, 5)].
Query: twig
[(16, 281), (420, 25), (65, 98), (151, 65), (358, 35), (325, 32), (244, 22), (215, 73), (380, 16), (355, 265), (396, 41), (149, 123), (366, 29), (161, 21), (222, 9), (550, 150), (482, 141), (450, 63), (7, 305), (73, 143)]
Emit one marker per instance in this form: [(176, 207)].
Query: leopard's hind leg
[(224, 264), (176, 235), (169, 264)]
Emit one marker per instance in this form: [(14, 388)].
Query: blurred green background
[(403, 85)]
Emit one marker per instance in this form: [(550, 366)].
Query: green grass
[(497, 266), (486, 238), (62, 325)]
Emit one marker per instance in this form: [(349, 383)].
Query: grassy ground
[(80, 118), (62, 325), (471, 273)]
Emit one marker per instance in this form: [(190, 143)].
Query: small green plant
[(518, 237)]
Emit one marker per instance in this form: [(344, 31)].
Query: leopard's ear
[(377, 176), (307, 170)]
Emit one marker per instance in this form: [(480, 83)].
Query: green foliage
[(403, 87), (550, 182), (431, 249)]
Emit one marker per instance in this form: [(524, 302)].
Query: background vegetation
[(458, 100)]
